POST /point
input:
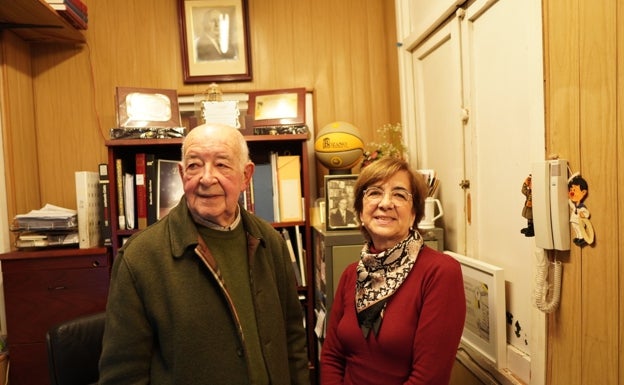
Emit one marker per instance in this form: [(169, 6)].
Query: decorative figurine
[(579, 216), (527, 210)]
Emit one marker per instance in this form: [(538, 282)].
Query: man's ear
[(248, 171)]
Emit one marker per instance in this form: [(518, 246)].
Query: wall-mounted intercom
[(551, 216)]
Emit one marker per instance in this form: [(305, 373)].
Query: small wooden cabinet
[(42, 289)]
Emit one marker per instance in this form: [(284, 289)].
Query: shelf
[(35, 21), (173, 141)]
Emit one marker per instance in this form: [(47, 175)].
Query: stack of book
[(50, 226), (74, 11), (275, 190), (147, 189)]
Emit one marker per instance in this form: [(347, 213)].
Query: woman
[(398, 313)]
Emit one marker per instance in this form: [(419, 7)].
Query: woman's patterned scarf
[(379, 276)]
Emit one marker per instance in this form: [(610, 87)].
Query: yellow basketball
[(338, 146)]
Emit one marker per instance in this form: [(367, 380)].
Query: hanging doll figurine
[(579, 216), (527, 210)]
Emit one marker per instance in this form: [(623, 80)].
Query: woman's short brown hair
[(382, 170)]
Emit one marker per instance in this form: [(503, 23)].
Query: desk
[(44, 288)]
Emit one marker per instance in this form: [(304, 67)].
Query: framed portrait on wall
[(339, 198), (215, 40)]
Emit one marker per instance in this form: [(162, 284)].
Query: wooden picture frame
[(339, 194), (485, 329), (147, 107), (215, 40), (277, 107)]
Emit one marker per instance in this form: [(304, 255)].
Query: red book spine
[(79, 6), (141, 190)]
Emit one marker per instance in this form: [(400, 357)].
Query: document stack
[(50, 226)]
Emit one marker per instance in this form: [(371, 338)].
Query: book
[(48, 240), (289, 188), (293, 258), (77, 4), (69, 13), (105, 225), (170, 188), (121, 210), (300, 253), (276, 208), (129, 201), (88, 208), (150, 187), (141, 190), (263, 192)]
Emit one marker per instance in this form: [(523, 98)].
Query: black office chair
[(74, 349)]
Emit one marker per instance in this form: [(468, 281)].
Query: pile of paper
[(50, 226)]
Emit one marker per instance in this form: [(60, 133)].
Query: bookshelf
[(36, 21), (260, 147)]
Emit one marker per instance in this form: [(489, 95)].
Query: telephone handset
[(551, 213), (551, 221)]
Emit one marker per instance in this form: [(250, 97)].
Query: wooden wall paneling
[(18, 127), (132, 44), (337, 49), (561, 66), (581, 57), (599, 326), (619, 251), (68, 133), (392, 57)]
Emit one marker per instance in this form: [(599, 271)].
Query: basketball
[(339, 146)]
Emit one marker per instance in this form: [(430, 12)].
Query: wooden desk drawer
[(29, 364), (63, 262), (38, 300)]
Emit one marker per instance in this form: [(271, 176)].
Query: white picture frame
[(485, 329)]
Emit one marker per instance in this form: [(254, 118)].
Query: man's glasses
[(399, 196)]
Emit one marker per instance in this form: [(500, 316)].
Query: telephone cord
[(546, 298)]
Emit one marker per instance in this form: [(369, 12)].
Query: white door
[(439, 138), (502, 69), (484, 64)]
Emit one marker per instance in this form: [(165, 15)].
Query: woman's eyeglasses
[(399, 196)]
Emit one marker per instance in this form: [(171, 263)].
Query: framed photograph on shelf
[(147, 107), (277, 107), (215, 40), (339, 198)]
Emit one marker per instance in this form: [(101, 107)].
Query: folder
[(263, 192), (289, 185), (88, 208)]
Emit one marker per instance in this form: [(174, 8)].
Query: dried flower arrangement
[(391, 145)]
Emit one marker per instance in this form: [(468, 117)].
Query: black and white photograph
[(215, 40), (339, 198)]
